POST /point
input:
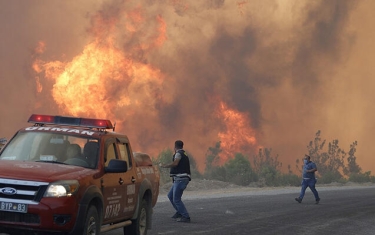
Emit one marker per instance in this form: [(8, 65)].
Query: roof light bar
[(70, 121)]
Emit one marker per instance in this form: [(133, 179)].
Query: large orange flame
[(238, 136), (111, 79), (103, 79)]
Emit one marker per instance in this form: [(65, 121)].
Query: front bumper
[(50, 215)]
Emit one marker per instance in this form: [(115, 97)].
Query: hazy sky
[(249, 73)]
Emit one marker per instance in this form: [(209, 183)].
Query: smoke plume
[(249, 73)]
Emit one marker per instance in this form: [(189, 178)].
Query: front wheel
[(92, 225), (140, 224)]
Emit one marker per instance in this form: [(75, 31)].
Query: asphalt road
[(341, 211)]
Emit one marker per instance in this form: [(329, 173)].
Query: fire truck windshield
[(52, 147)]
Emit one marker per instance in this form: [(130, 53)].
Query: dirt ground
[(203, 185), (211, 188)]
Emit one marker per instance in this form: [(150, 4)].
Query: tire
[(139, 226), (92, 223)]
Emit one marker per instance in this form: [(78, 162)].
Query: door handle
[(133, 179), (120, 181)]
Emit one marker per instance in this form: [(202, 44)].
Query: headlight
[(65, 188)]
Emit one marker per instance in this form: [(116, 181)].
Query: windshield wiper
[(57, 162)]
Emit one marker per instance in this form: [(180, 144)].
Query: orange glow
[(40, 48), (284, 68), (104, 79), (238, 136), (241, 6), (110, 78), (39, 86)]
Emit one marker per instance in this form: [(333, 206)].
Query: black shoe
[(183, 219), (176, 216), (299, 200), (317, 201)]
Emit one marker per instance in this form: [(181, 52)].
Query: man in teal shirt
[(308, 180)]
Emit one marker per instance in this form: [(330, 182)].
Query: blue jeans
[(311, 184), (175, 195)]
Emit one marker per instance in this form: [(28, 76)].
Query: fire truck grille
[(19, 217), (28, 192)]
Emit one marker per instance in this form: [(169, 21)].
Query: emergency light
[(70, 121)]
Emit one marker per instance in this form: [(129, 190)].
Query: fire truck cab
[(69, 175)]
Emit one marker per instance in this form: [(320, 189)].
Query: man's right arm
[(172, 164), (313, 168)]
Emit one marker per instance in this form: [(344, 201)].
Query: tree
[(352, 166), (212, 156), (314, 148), (212, 169), (268, 168), (239, 171), (316, 145), (335, 157), (264, 159), (331, 163)]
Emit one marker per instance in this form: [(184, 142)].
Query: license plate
[(13, 207)]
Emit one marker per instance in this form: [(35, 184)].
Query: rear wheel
[(139, 226), (92, 225)]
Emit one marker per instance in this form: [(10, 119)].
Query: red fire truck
[(69, 175)]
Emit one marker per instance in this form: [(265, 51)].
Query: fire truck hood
[(41, 171)]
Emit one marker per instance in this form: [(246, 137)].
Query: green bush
[(270, 176), (217, 173), (333, 164), (239, 171), (164, 157), (329, 177), (195, 174), (289, 180), (360, 177)]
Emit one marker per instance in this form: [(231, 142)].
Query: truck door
[(113, 186), (129, 178)]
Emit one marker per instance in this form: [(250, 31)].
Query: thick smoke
[(293, 67)]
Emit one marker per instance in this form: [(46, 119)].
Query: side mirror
[(116, 166)]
